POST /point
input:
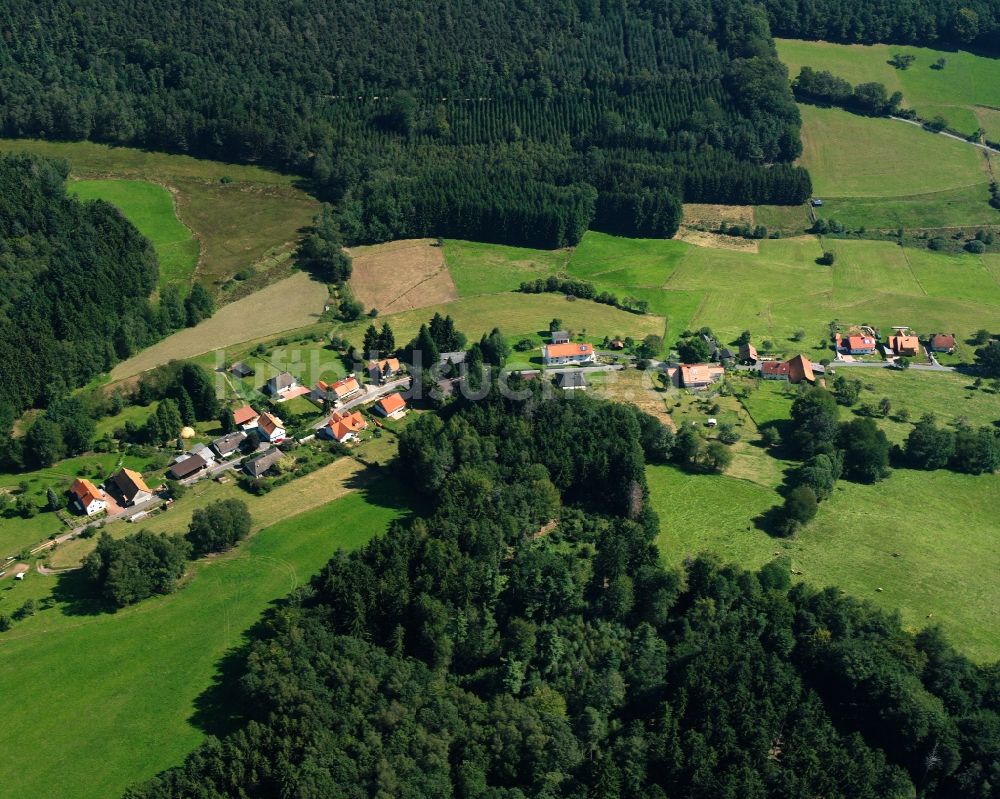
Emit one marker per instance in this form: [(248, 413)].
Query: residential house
[(187, 467), (453, 358), (555, 354), (774, 370), (942, 342), (560, 337), (271, 428), (727, 357), (571, 380), (699, 375), (392, 406), (801, 368), (856, 345), (280, 384), (905, 346), (338, 392), (131, 487), (240, 369), (255, 467), (88, 497), (205, 451), (246, 417), (382, 371), (344, 427), (748, 353), (228, 444)]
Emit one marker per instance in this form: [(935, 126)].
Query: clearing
[(150, 207), (401, 275)]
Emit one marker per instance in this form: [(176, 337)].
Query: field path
[(293, 302), (949, 135)]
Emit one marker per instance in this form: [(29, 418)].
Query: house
[(380, 371), (337, 392), (271, 427), (88, 498), (571, 380), (800, 368), (555, 354), (942, 342), (774, 370), (344, 427), (246, 417), (280, 384), (205, 451), (713, 346), (748, 353), (392, 406), (617, 344), (240, 369), (255, 467), (904, 346), (560, 337), (455, 358), (227, 445), (857, 345), (727, 357), (699, 375), (191, 465), (131, 487)]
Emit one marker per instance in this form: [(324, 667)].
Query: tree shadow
[(77, 597), (218, 708)]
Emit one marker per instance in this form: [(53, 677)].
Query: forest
[(521, 638), (503, 121)]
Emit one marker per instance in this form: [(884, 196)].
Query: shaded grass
[(151, 209)]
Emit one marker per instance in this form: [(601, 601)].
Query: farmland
[(401, 276), (86, 665)]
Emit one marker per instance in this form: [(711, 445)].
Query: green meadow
[(150, 207), (966, 91), (491, 268), (135, 677)]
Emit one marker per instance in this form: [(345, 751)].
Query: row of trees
[(480, 650), (583, 290), (821, 86)]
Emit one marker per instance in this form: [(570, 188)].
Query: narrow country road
[(369, 395), (949, 135)]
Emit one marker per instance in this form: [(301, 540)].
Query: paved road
[(949, 135), (370, 394), (920, 367), (125, 514)]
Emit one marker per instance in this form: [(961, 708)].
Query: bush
[(975, 246), (937, 243), (800, 508), (828, 258), (727, 433), (218, 526)]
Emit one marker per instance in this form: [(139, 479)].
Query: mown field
[(964, 92), (242, 216), (135, 676), (150, 208)]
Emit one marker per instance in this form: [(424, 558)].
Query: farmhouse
[(392, 406), (560, 337), (280, 384), (132, 488), (571, 380), (555, 354), (246, 417), (271, 427), (240, 369), (227, 445), (381, 371), (774, 370), (191, 465), (748, 353), (255, 467), (856, 345), (345, 426), (699, 375), (905, 346), (726, 356), (942, 342), (801, 368), (87, 497)]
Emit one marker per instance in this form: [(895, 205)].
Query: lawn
[(492, 268), (243, 216), (854, 156), (902, 535), (150, 207), (136, 675), (968, 85)]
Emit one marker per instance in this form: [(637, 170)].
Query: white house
[(89, 499), (271, 427), (556, 354)]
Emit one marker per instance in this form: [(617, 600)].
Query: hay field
[(401, 275)]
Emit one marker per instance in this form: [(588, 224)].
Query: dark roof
[(571, 379), (942, 341), (240, 369), (257, 466), (127, 485), (454, 357), (726, 354), (229, 443), (282, 381), (187, 467)]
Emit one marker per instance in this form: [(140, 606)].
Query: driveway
[(370, 394)]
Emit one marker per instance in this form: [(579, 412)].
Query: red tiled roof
[(244, 415), (800, 368), (269, 423), (860, 342), (700, 373), (774, 368), (568, 350), (942, 341), (85, 491), (344, 387), (392, 403), (343, 424)]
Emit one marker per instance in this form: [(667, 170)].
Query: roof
[(257, 466), (240, 369), (774, 368), (560, 334), (343, 424), (860, 342), (392, 403), (130, 483), (942, 341), (282, 381), (748, 350), (700, 372), (800, 368), (453, 357), (244, 415), (85, 491), (343, 387), (572, 378), (391, 363), (269, 423), (904, 343), (187, 467), (229, 443), (726, 354), (568, 350)]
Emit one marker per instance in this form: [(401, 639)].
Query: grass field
[(945, 562), (401, 275), (853, 156), (253, 219), (491, 268), (966, 86), (135, 676), (965, 207), (151, 209)]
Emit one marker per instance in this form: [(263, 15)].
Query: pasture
[(401, 275), (150, 208), (961, 92), (136, 675), (478, 268)]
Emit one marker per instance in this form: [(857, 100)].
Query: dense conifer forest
[(505, 121), (475, 651), (76, 282)]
